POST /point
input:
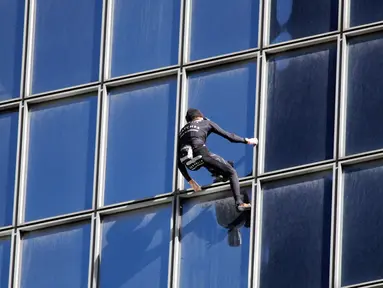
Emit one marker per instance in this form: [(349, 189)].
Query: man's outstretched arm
[(231, 136)]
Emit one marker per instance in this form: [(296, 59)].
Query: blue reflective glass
[(11, 48), (364, 99), (135, 249), (296, 232), (362, 224), (141, 129), (153, 27), (365, 11), (215, 242), (222, 26), (300, 107), (9, 122), (227, 97), (67, 43), (56, 257), (5, 252), (292, 19), (61, 157)]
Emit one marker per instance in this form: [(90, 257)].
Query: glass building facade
[(93, 94)]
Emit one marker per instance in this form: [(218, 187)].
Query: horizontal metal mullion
[(213, 189), (55, 221), (222, 59), (7, 232), (364, 29), (366, 157), (369, 284), (300, 44), (296, 168), (64, 91), (63, 94), (11, 102), (143, 76), (135, 204), (300, 172)]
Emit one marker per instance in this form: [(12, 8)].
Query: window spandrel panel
[(145, 35), (296, 232), (300, 107), (67, 43), (61, 157), (362, 223), (293, 19), (135, 249), (5, 256), (215, 240), (9, 122), (11, 47), (365, 12), (364, 94), (222, 27), (226, 96), (56, 257), (141, 131)]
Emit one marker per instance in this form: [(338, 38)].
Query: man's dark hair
[(193, 113)]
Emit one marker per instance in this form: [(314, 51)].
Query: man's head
[(192, 114)]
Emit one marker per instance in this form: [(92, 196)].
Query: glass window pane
[(61, 157), (67, 43), (293, 19), (365, 11), (11, 48), (300, 107), (153, 27), (215, 242), (5, 252), (222, 26), (296, 232), (9, 122), (138, 115), (362, 223), (364, 99), (135, 249), (227, 97), (56, 257)]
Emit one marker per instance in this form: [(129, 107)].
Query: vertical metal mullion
[(266, 21), (24, 51), (256, 113), (187, 30), (179, 185), (12, 256), (252, 235), (181, 33), (338, 84), (333, 222), (339, 229), (103, 147), (18, 165), (23, 166), (263, 113), (102, 42), (30, 48), (177, 242), (17, 257), (175, 182), (346, 14), (96, 260), (343, 99), (108, 39), (257, 236), (91, 251)]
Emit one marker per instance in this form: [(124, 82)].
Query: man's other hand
[(195, 186)]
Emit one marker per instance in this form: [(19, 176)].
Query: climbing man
[(194, 154)]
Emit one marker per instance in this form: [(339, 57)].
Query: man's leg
[(216, 163)]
